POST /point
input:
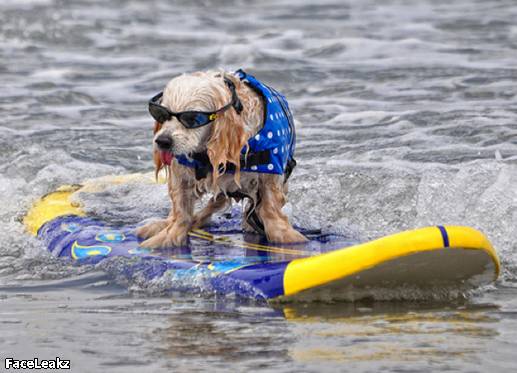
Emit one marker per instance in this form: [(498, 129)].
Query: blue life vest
[(271, 150)]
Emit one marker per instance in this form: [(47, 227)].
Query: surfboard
[(417, 263)]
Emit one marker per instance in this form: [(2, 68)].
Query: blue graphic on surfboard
[(80, 252), (110, 236)]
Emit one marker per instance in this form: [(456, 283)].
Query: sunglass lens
[(159, 114), (193, 120)]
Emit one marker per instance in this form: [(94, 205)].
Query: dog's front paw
[(167, 237), (152, 229)]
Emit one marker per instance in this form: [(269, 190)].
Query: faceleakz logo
[(36, 363)]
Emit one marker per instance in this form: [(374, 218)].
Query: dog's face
[(202, 91), (222, 139)]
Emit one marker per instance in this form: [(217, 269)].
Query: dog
[(229, 135)]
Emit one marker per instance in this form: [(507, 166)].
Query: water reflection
[(390, 331)]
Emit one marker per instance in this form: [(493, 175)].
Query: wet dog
[(229, 135)]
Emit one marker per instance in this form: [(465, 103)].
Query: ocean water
[(406, 117)]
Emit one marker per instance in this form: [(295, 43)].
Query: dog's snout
[(164, 142)]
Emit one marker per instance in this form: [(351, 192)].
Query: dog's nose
[(164, 142)]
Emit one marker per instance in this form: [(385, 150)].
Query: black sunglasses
[(192, 119)]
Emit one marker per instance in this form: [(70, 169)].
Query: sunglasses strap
[(236, 102)]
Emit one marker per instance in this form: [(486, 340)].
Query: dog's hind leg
[(214, 205)]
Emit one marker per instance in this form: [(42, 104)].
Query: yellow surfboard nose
[(50, 207)]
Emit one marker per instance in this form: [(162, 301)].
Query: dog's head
[(222, 139)]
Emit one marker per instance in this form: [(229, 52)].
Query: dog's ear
[(228, 135), (158, 164)]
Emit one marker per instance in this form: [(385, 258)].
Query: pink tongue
[(166, 157)]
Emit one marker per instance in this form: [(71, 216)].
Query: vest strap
[(203, 166)]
